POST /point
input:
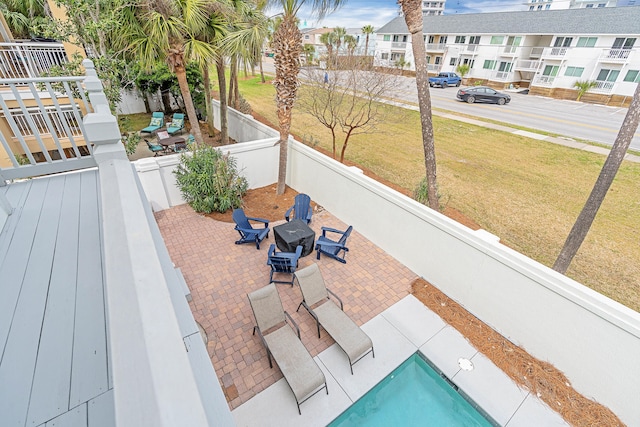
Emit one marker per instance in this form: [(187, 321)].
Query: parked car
[(482, 94), (445, 79)]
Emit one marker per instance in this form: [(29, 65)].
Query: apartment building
[(546, 52)]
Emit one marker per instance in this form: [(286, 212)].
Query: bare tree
[(412, 10), (348, 102), (607, 174)]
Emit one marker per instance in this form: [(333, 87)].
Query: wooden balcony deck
[(54, 363)]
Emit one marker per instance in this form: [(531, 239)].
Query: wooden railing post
[(101, 126)]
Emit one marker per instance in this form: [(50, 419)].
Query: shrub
[(209, 181), (421, 193)]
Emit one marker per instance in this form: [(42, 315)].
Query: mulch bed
[(541, 378)]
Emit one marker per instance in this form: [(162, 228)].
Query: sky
[(358, 13)]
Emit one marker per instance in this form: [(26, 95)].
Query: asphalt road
[(569, 119)]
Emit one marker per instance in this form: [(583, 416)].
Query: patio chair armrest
[(333, 230), (287, 214), (294, 323), (264, 221), (248, 230), (336, 297), (333, 245)]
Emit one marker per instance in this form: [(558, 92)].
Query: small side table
[(293, 233)]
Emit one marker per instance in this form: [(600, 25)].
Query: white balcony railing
[(472, 47), (502, 75), (602, 86), (510, 50), (398, 45), (44, 139), (434, 67), (536, 52), (436, 47), (527, 65), (29, 60), (545, 80), (614, 55), (554, 52)]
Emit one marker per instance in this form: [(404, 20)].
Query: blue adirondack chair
[(283, 262), (301, 208), (333, 248), (157, 121), (176, 125), (248, 234)]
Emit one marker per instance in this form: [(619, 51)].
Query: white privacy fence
[(592, 339)]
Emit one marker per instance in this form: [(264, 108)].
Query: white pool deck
[(398, 332)]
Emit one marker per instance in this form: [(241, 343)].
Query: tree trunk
[(207, 97), (222, 85), (287, 45), (233, 69), (181, 74), (607, 174), (412, 10), (261, 71), (366, 46)]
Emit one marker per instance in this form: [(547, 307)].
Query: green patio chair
[(176, 125), (157, 121)]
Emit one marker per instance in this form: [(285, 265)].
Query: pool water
[(412, 395)]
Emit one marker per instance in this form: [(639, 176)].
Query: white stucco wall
[(594, 340)]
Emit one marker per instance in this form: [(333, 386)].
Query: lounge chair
[(157, 121), (349, 337), (301, 372), (283, 262), (301, 208), (176, 125), (248, 234), (333, 248), (154, 148)]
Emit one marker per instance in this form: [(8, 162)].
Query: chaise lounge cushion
[(300, 370), (353, 341)]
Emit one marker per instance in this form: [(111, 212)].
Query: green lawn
[(525, 191)]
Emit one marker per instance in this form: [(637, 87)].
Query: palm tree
[(328, 39), (287, 45), (168, 30), (601, 187), (584, 86), (412, 10), (339, 33), (367, 30), (352, 43)]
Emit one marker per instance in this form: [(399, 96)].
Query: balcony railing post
[(101, 126)]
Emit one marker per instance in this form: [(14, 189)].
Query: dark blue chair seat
[(283, 262), (301, 209), (333, 248), (248, 234)]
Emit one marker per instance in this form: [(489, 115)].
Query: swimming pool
[(412, 395)]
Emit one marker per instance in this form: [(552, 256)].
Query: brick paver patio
[(220, 274)]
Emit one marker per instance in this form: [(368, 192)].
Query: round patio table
[(293, 233)]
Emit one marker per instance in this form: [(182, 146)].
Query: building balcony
[(554, 52), (472, 48), (502, 75), (398, 45), (603, 87), (544, 80), (29, 59), (615, 56), (436, 47), (527, 65)]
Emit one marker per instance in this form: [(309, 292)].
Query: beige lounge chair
[(349, 337), (298, 367)]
